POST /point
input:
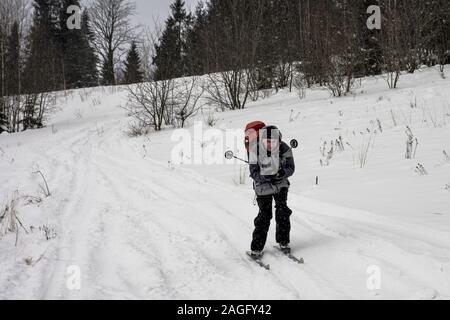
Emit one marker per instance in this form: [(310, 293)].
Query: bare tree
[(110, 21), (147, 39), (13, 19), (229, 90), (187, 99), (148, 102)]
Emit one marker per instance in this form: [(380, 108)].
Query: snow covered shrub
[(327, 155), (411, 144), (84, 94), (442, 71), (148, 102), (8, 216), (186, 100), (49, 233), (361, 153), (294, 117), (336, 85), (137, 129), (45, 189), (300, 84), (380, 127), (340, 144), (339, 77), (36, 108), (420, 169), (229, 90), (394, 120), (211, 120), (446, 156)]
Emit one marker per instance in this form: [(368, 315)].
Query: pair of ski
[(290, 256)]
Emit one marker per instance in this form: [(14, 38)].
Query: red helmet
[(252, 133)]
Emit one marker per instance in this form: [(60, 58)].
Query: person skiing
[(271, 165)]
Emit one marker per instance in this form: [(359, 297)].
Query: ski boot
[(285, 248)]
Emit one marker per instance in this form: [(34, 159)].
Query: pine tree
[(170, 58), (108, 73), (44, 55), (133, 73), (2, 81), (12, 65), (196, 54), (79, 58), (72, 44), (89, 67)]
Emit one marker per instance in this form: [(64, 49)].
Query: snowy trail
[(140, 229), (157, 233)]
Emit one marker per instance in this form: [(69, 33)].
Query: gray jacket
[(266, 185)]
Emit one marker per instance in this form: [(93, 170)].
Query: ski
[(258, 261), (291, 256)]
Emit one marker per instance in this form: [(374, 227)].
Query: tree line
[(271, 43), (40, 54), (245, 48)]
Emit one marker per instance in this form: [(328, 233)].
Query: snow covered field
[(139, 227)]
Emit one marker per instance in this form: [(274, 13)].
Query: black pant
[(262, 222)]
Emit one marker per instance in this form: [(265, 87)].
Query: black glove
[(280, 175)]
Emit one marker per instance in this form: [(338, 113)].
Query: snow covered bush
[(186, 101), (446, 156), (211, 120), (411, 144), (149, 102), (339, 77), (300, 84), (9, 221), (229, 90), (167, 102), (326, 155), (45, 189), (420, 170), (8, 215), (137, 128)]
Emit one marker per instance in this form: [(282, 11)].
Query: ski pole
[(230, 155)]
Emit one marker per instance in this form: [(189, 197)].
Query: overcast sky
[(149, 10)]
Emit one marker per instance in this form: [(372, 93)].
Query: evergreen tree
[(12, 65), (89, 66), (196, 57), (44, 56), (2, 82), (108, 73), (79, 69), (72, 43), (170, 59), (133, 73), (369, 41)]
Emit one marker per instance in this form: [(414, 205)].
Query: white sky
[(148, 11)]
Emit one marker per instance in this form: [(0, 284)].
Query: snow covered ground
[(137, 226)]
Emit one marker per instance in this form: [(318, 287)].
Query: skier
[(271, 164)]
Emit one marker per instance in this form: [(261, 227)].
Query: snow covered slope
[(137, 226)]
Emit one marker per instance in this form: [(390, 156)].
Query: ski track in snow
[(139, 230)]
